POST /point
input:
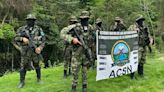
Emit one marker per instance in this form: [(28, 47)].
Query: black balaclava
[(99, 24), (140, 22), (30, 22), (85, 22)]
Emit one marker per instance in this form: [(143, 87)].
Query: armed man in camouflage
[(30, 39), (80, 36), (118, 25), (97, 27), (144, 40), (68, 50)]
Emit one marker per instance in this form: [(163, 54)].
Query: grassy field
[(53, 80)]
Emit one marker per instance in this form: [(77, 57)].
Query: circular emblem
[(120, 53)]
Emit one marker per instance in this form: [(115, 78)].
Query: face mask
[(140, 23), (84, 22), (99, 24), (30, 23)]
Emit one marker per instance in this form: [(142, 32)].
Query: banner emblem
[(120, 53)]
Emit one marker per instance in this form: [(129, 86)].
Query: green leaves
[(7, 32)]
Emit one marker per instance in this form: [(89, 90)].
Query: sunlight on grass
[(53, 81)]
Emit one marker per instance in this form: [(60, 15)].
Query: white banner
[(117, 54)]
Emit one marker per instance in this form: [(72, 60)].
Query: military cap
[(140, 17), (30, 16), (98, 20), (73, 19), (84, 14), (117, 19)]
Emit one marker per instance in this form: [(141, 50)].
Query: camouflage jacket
[(98, 28), (143, 32), (36, 34), (118, 27), (67, 33)]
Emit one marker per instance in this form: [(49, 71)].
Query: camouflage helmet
[(84, 14), (73, 19), (117, 19), (30, 16), (98, 20), (140, 17)]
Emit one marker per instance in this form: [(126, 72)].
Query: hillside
[(53, 80)]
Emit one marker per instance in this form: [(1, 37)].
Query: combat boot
[(69, 71), (141, 71), (22, 78), (84, 88), (65, 74), (21, 84), (38, 73), (132, 76), (73, 89)]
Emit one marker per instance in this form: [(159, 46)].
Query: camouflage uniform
[(143, 42), (79, 58), (119, 26), (97, 27), (28, 55), (68, 50)]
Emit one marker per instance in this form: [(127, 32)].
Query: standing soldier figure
[(81, 38), (97, 27), (31, 41), (144, 40), (68, 50), (118, 25)]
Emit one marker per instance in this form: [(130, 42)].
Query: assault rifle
[(31, 45), (88, 52)]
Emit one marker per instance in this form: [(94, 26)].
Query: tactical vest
[(35, 33), (85, 32), (143, 37)]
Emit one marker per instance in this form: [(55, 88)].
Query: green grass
[(53, 81)]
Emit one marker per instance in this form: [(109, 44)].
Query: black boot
[(38, 73), (73, 89), (21, 84), (69, 71), (132, 76), (142, 70), (65, 74), (139, 69), (22, 78), (84, 88)]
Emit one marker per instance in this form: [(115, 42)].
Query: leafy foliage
[(53, 15), (7, 32)]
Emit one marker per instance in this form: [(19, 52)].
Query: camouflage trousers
[(79, 61), (142, 55), (67, 57), (93, 49), (29, 58)]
